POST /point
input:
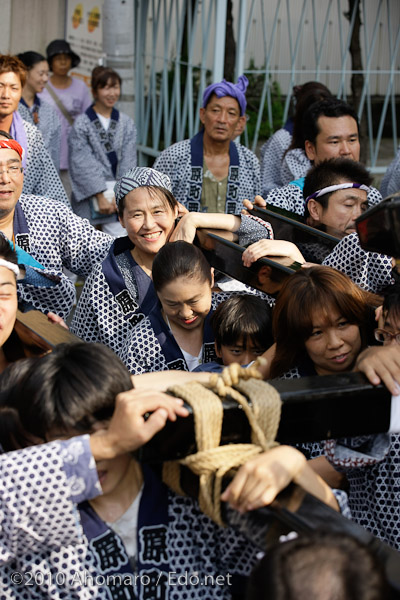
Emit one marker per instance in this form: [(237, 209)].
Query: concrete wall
[(30, 24)]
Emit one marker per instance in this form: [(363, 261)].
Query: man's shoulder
[(31, 202), (290, 190), (178, 148), (247, 153), (374, 196)]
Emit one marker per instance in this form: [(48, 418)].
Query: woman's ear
[(212, 277)]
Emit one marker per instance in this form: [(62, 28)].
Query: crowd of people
[(80, 516)]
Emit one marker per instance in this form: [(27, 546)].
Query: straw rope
[(212, 462)]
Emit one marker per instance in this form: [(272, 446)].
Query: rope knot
[(262, 406)]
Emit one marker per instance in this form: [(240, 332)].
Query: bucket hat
[(62, 47)]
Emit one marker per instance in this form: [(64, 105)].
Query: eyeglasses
[(381, 335), (12, 170)]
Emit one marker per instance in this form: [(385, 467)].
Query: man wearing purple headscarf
[(209, 172)]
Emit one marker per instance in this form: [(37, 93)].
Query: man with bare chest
[(209, 172)]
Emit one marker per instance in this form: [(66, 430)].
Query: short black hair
[(391, 301), (309, 93), (243, 316), (69, 389), (179, 259), (331, 107), (5, 134), (330, 172)]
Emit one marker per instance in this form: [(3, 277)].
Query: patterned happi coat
[(89, 166), (391, 181), (369, 270), (176, 162), (55, 237), (40, 176), (118, 293), (48, 124), (295, 164), (40, 487), (271, 160), (150, 346), (371, 465)]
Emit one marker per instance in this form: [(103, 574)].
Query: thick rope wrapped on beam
[(212, 462)]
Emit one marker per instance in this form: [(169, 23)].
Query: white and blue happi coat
[(183, 163), (369, 270), (48, 124), (371, 465), (118, 293), (64, 553), (391, 181), (40, 176), (271, 154), (97, 156), (295, 165), (55, 237)]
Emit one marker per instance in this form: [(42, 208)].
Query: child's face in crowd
[(186, 301), (148, 220), (242, 352), (334, 344), (390, 322)]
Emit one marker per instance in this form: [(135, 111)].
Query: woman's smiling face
[(186, 301), (148, 219), (334, 343)]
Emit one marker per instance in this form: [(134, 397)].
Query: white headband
[(337, 186), (9, 265)]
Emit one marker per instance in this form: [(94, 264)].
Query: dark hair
[(154, 191), (6, 251), (316, 288), (5, 134), (12, 64), (179, 259), (243, 316), (308, 94), (334, 566), (330, 172), (101, 76), (69, 389), (31, 58), (12, 433), (332, 108), (391, 301)]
